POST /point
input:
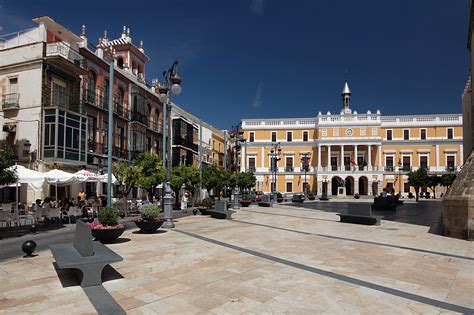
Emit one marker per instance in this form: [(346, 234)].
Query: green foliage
[(247, 180), (417, 180), (447, 180), (150, 170), (214, 178), (207, 202), (432, 182), (311, 196), (150, 212), (108, 216), (246, 197), (187, 175), (7, 176)]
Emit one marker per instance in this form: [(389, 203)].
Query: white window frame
[(426, 133), (252, 156), (271, 136), (286, 186), (335, 132), (363, 131), (252, 133), (447, 137), (409, 135), (427, 159), (446, 159), (324, 132), (409, 155), (287, 133), (393, 158), (386, 134), (375, 132)]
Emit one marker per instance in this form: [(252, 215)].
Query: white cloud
[(257, 101), (257, 7)]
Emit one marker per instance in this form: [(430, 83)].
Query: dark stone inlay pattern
[(102, 301), (362, 283)]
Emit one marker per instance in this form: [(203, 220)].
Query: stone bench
[(220, 211), (84, 254), (298, 198), (265, 201), (360, 216), (384, 204)]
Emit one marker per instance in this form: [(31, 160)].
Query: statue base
[(341, 192)]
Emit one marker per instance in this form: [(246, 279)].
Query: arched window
[(120, 62), (90, 97), (120, 97)]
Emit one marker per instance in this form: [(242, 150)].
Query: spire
[(346, 99)]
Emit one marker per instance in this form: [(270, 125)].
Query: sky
[(277, 59)]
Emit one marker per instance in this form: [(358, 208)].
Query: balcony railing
[(427, 168), (185, 143), (333, 167), (406, 168), (389, 169), (250, 168), (270, 169), (63, 50), (347, 167), (450, 168), (119, 152), (64, 99), (11, 101), (288, 168), (139, 117)]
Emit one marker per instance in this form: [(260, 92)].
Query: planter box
[(149, 226), (203, 210), (245, 203), (107, 235)]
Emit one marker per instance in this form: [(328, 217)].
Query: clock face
[(349, 132)]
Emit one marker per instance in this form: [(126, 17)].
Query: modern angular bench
[(360, 216), (220, 211), (84, 254), (384, 204), (297, 198)]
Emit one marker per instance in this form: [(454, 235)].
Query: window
[(289, 136), (389, 134), (289, 187), (324, 132), (374, 131), (406, 187), (252, 137), (289, 164), (335, 132), (423, 134), (406, 134), (252, 164), (389, 163), (305, 136), (363, 131), (60, 95), (406, 163), (450, 162), (449, 132), (423, 161), (13, 85), (274, 136)]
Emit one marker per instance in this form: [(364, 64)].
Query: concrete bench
[(265, 201), (220, 211), (360, 216), (297, 198), (84, 254), (384, 204)]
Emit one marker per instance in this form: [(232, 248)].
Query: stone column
[(319, 158), (380, 157), (369, 158), (437, 157), (329, 158), (342, 158), (355, 155)]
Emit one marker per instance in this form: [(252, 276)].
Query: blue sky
[(274, 58)]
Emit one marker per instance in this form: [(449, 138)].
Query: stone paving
[(266, 260)]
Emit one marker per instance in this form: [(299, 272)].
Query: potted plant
[(246, 200), (356, 196), (108, 229), (149, 220), (311, 196), (410, 195), (205, 204)]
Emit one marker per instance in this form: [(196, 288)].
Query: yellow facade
[(218, 148), (360, 151)]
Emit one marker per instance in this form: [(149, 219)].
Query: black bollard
[(33, 228), (28, 248)]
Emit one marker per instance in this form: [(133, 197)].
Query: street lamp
[(400, 177), (172, 81), (236, 136), (275, 153), (305, 167)]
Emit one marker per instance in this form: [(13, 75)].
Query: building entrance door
[(333, 163)]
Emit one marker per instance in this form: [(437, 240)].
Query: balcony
[(185, 143), (95, 147), (139, 117), (389, 169), (66, 57), (251, 169), (405, 168), (426, 167), (450, 168), (11, 101), (334, 168), (270, 169), (347, 167), (289, 168), (119, 152), (64, 99)]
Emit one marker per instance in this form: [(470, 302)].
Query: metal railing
[(185, 143), (450, 168), (252, 169), (289, 168), (63, 99), (389, 169), (139, 117), (65, 51), (406, 168), (11, 101)]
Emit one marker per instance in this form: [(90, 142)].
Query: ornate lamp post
[(275, 153), (171, 83), (305, 167), (236, 136)]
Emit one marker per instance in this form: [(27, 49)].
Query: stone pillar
[(319, 158), (329, 158), (369, 158), (356, 185), (380, 157), (461, 155), (355, 155), (437, 157), (342, 158)]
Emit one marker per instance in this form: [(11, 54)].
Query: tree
[(214, 179), (7, 176), (418, 179), (150, 171), (128, 176), (432, 182), (247, 181), (187, 175), (447, 180)]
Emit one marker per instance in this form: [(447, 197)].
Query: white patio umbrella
[(59, 178), (86, 176), (104, 178)]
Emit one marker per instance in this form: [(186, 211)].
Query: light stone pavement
[(303, 263)]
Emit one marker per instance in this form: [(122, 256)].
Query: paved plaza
[(266, 260)]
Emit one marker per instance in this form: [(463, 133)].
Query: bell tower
[(346, 99)]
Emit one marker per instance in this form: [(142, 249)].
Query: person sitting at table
[(47, 203), (36, 205)]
